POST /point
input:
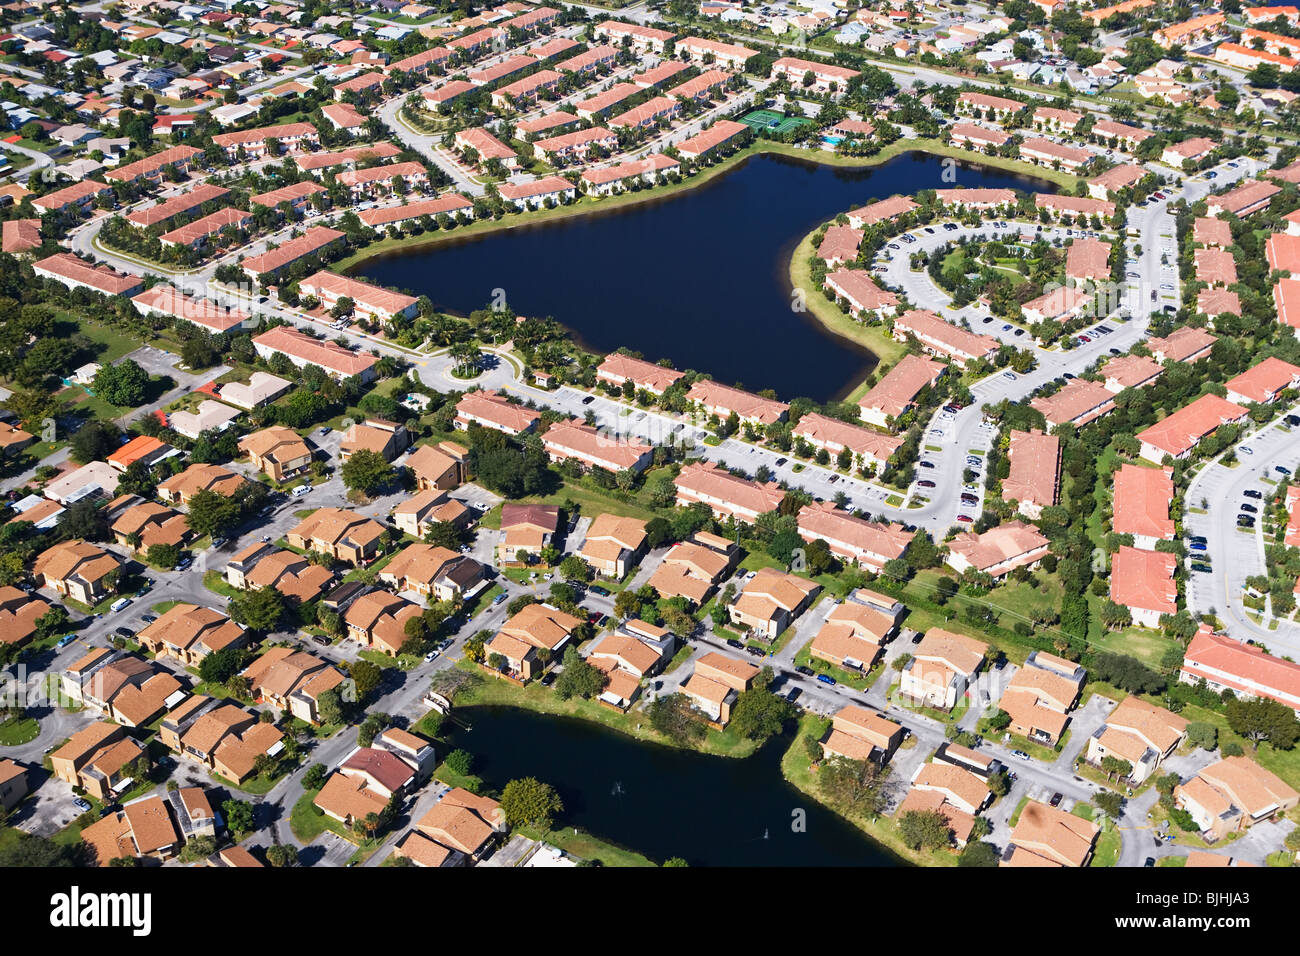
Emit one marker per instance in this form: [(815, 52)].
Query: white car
[(431, 655)]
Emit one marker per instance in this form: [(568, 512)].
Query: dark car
[(754, 652), (734, 643), (1250, 509), (1292, 420), (589, 399), (1149, 861), (1253, 493), (124, 632), (968, 499), (926, 464), (1056, 799), (548, 678), (806, 671), (926, 483), (597, 589), (319, 639), (1201, 567), (793, 694), (781, 461)]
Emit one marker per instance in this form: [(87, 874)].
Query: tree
[(1114, 767), (52, 622), (579, 678), (855, 786), (94, 441), (329, 705), (28, 850), (219, 666), (924, 829), (1262, 719), (978, 853), (315, 776), (366, 676), (460, 762), (673, 717), (573, 568), (1203, 735), (529, 802), (125, 384), (212, 514), (163, 556), (260, 609), (759, 714), (198, 848), (367, 472), (1109, 802), (282, 855), (239, 816)]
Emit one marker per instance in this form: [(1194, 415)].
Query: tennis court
[(772, 120)]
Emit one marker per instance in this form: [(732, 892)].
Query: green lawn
[(20, 731), (583, 846)]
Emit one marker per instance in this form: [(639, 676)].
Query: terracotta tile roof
[(1141, 502), (1144, 580), (1242, 667), (1182, 431)]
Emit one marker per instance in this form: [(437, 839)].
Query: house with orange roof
[(614, 545), (942, 666), (19, 612), (1140, 501), (869, 543), (1034, 479), (1143, 582), (713, 398), (715, 684), (142, 828), (189, 633), (377, 619), (1232, 795), (1264, 382), (573, 440), (1177, 434), (998, 551), (527, 530), (855, 287), (1141, 734), (862, 734), (1040, 696), (618, 369), (79, 570), (770, 601), (99, 759), (1246, 670), (292, 681), (1078, 403), (278, 452), (438, 573), (385, 438), (1129, 371), (1049, 837), (342, 534), (439, 467), (944, 339), (198, 477), (853, 635), (537, 627), (897, 392), (726, 495), (143, 525), (491, 410), (692, 569), (869, 448)]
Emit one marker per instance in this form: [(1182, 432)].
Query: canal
[(700, 277), (663, 802)]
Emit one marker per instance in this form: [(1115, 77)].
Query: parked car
[(1020, 755), (806, 671), (1253, 493), (1250, 509), (597, 589), (498, 599), (925, 483), (1056, 799), (826, 679), (793, 694), (732, 642), (431, 655), (66, 639), (82, 805), (124, 632)]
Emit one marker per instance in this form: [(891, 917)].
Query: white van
[(120, 604), (299, 490)]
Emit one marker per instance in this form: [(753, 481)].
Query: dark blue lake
[(664, 802), (700, 276)]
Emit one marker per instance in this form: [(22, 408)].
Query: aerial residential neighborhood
[(509, 435)]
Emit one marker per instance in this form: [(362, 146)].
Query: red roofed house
[(1143, 582), (1140, 504), (1263, 382), (1248, 671), (1177, 434)]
